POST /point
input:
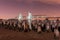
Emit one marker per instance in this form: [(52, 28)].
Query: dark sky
[(11, 8)]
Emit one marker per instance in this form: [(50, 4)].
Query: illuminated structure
[(36, 17), (20, 17), (29, 18)]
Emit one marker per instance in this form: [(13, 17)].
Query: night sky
[(11, 8)]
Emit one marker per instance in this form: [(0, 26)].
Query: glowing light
[(29, 16), (29, 19), (20, 17)]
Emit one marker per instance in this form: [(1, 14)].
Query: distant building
[(41, 17)]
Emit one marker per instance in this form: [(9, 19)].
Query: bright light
[(29, 15), (20, 17)]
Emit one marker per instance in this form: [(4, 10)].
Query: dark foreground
[(6, 34)]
